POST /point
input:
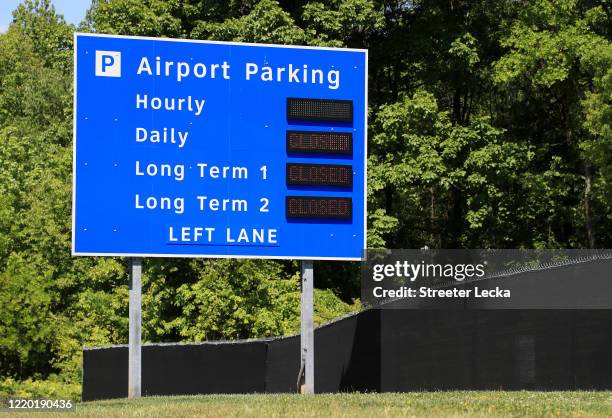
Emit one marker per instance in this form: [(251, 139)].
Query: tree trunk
[(457, 107), (588, 179), (432, 218)]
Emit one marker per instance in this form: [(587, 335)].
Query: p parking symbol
[(108, 64)]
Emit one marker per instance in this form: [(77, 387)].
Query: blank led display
[(306, 207), (320, 110), (319, 175), (309, 142)]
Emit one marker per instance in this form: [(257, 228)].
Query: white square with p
[(108, 63)]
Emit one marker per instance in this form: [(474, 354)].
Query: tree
[(548, 65)]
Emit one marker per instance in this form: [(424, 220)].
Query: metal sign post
[(135, 352), (307, 329)]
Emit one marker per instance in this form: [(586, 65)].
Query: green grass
[(420, 404)]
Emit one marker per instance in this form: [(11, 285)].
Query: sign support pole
[(135, 352), (307, 329)]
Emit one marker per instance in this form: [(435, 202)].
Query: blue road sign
[(211, 149)]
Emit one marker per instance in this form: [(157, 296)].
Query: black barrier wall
[(496, 350), (385, 350), (347, 358)]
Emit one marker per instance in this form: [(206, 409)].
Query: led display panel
[(309, 142), (324, 110), (306, 207), (319, 175)]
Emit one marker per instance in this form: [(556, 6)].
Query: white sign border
[(149, 38)]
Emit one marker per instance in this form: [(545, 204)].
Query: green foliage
[(546, 44), (328, 307), (235, 299), (436, 166), (342, 23), (267, 23), (137, 17), (50, 36), (556, 61), (52, 388), (597, 105), (26, 327)]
